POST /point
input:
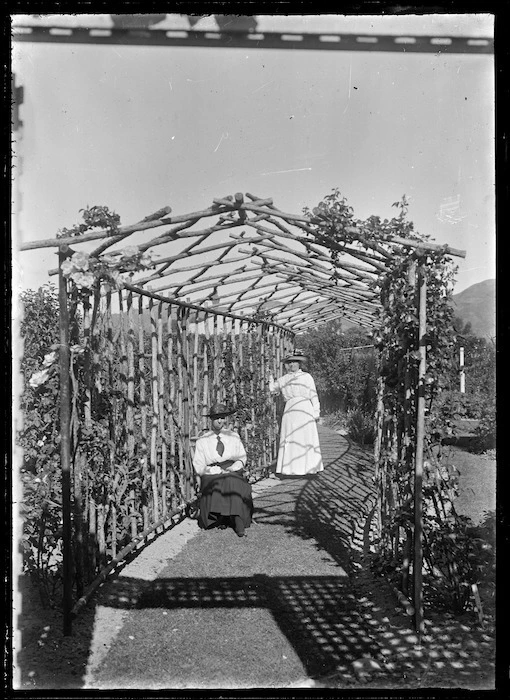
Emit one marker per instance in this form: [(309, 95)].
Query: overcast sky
[(137, 128)]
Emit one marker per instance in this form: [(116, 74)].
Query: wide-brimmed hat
[(219, 410), (296, 356)]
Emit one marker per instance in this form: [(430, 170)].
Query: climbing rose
[(80, 261), (39, 378), (147, 259), (108, 259), (67, 267), (129, 251), (49, 359), (83, 279)]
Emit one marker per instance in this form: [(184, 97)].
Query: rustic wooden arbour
[(212, 289)]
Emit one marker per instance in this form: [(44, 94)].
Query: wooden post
[(194, 318), (462, 372), (143, 418), (154, 411), (252, 382), (380, 466), (110, 354), (222, 344), (65, 443), (407, 452), (92, 554), (262, 350), (418, 470), (162, 425), (130, 350), (87, 333), (170, 405), (207, 354), (216, 361), (243, 429), (185, 413)]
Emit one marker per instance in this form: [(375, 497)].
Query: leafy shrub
[(459, 554), (335, 420), (39, 438), (452, 406), (360, 427), (485, 432), (345, 378), (462, 405)]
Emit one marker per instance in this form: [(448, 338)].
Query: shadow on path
[(278, 607), (318, 615), (263, 612), (331, 507)]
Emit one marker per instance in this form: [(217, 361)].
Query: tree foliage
[(344, 366)]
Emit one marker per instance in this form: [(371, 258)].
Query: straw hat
[(296, 356), (218, 410)]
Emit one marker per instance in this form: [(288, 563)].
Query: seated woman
[(219, 460)]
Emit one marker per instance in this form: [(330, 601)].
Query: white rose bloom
[(81, 261), (50, 358), (129, 251), (38, 378)]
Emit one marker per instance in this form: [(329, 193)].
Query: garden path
[(218, 610), (290, 606)]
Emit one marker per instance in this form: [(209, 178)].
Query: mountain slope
[(477, 305)]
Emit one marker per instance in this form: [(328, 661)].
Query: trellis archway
[(161, 336)]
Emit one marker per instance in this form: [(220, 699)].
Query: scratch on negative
[(277, 172), (223, 136), (263, 86), (349, 97)]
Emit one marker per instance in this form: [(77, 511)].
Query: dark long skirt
[(223, 495)]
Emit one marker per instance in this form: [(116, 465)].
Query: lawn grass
[(477, 483)]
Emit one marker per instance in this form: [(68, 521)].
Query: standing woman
[(299, 451), (219, 461)]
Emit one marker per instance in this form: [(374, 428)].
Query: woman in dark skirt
[(219, 461)]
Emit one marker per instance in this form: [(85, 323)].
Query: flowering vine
[(114, 269)]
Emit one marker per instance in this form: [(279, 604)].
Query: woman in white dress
[(299, 451)]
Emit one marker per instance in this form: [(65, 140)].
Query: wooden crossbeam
[(255, 292), (161, 240), (286, 301), (165, 264), (317, 248), (201, 271), (305, 324), (310, 263), (353, 268), (325, 284), (212, 281)]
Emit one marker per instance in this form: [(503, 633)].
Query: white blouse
[(297, 385), (207, 460)]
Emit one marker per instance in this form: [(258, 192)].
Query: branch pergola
[(272, 269), (272, 276)]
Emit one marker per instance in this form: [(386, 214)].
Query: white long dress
[(299, 451)]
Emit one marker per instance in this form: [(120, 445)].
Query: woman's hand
[(236, 466), (214, 470)]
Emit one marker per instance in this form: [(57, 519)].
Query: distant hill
[(477, 305)]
